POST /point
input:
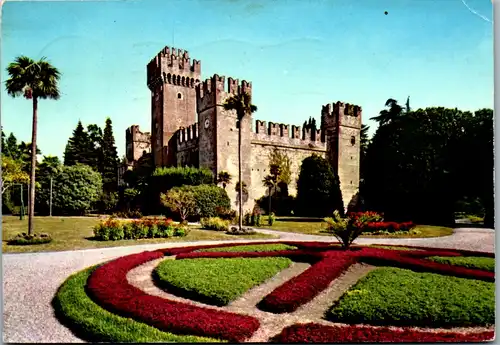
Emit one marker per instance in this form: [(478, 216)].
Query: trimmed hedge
[(216, 281), (109, 287), (74, 308), (316, 333)]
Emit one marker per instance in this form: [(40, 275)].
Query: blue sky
[(298, 54)]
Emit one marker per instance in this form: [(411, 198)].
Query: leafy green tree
[(387, 116), (12, 173), (34, 80), (418, 167), (110, 159), (181, 201), (280, 160), (242, 103), (49, 168), (76, 189), (318, 188)]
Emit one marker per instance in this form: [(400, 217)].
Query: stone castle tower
[(189, 126)]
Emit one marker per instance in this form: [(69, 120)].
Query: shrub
[(271, 219), (346, 230), (225, 213), (208, 199), (281, 205), (25, 239), (112, 229), (133, 214), (214, 223)]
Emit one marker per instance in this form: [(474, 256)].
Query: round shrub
[(25, 239), (209, 199)]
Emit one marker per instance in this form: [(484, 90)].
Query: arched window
[(353, 140), (179, 95), (169, 78)]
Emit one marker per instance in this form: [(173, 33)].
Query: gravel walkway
[(30, 280)]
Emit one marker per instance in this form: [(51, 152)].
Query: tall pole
[(240, 196), (50, 202), (21, 214)]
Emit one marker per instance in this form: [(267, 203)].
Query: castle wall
[(136, 143), (187, 146), (298, 143)]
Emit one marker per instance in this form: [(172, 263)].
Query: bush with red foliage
[(304, 287), (316, 333), (109, 287)]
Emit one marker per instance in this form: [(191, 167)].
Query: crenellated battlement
[(288, 134), (134, 134), (172, 65), (214, 91), (341, 113), (188, 134)]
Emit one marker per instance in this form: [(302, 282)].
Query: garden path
[(30, 280)]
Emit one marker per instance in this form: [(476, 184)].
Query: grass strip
[(89, 321), (482, 263), (400, 297), (217, 281)]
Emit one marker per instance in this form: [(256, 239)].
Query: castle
[(189, 126)]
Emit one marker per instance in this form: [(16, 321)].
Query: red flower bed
[(304, 287), (389, 226), (296, 255), (316, 333), (400, 259), (109, 287)]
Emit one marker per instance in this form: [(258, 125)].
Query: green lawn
[(393, 296), (217, 281), (250, 248), (91, 322), (71, 233), (483, 263), (316, 228)]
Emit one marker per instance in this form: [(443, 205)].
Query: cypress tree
[(78, 147), (11, 147), (110, 159)]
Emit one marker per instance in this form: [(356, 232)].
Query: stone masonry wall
[(136, 143)]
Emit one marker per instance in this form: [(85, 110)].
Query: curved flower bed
[(108, 286), (316, 333)]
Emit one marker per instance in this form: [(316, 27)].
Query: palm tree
[(386, 116), (242, 103), (224, 178), (34, 80), (270, 182)]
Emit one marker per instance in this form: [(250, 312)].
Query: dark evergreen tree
[(77, 148), (110, 159), (11, 147), (94, 148), (318, 188)]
